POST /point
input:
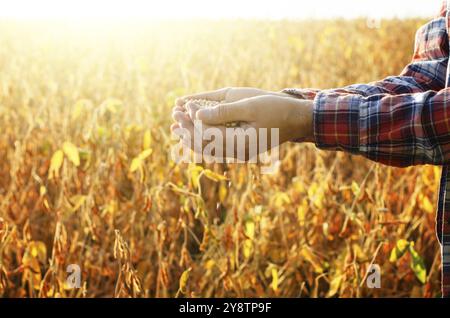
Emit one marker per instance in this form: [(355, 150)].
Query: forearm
[(398, 130)]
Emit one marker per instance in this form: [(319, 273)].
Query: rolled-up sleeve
[(400, 120), (398, 130), (337, 121)]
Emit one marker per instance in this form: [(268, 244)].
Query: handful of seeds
[(203, 103)]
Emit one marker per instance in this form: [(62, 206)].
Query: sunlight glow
[(176, 9)]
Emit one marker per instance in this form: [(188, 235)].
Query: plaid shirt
[(400, 121)]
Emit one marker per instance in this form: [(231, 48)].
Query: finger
[(216, 95), (173, 127), (179, 116), (225, 113), (192, 140), (177, 134), (192, 109), (178, 109), (186, 124)]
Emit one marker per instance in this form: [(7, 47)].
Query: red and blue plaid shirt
[(400, 121)]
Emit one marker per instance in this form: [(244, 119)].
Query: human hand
[(291, 117), (225, 95)]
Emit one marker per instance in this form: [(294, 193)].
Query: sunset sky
[(173, 9)]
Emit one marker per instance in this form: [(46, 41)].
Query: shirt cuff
[(336, 121)]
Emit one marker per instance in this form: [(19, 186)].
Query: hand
[(227, 95), (292, 117), (223, 95)]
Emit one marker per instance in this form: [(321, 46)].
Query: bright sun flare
[(215, 9)]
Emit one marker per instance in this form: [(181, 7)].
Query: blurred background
[(175, 9)]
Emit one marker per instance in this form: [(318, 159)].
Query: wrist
[(303, 121)]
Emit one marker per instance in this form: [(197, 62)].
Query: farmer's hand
[(292, 117), (227, 95)]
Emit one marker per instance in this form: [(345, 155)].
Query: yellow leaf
[(194, 172), (145, 154), (402, 244), (358, 252), (313, 259), (223, 192), (147, 141), (274, 279), (184, 280), (281, 199), (418, 265), (135, 164), (355, 188), (29, 261), (78, 110), (55, 164), (102, 131), (38, 250), (32, 271), (248, 248), (399, 249), (334, 286), (77, 201), (79, 107), (111, 105), (142, 173), (210, 264), (316, 193), (426, 204), (138, 162), (42, 191), (71, 152), (250, 229), (298, 185), (213, 176), (325, 229), (46, 204), (301, 212)]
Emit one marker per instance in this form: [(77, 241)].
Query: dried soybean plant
[(86, 176)]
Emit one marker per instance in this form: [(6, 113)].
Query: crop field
[(87, 180)]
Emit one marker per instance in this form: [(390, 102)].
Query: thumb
[(192, 109), (225, 113)]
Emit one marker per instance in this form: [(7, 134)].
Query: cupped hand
[(227, 95), (223, 95), (292, 118)]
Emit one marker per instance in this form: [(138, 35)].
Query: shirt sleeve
[(401, 120), (397, 130)]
